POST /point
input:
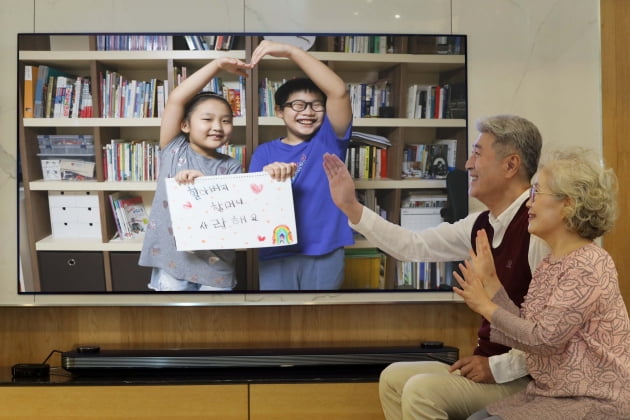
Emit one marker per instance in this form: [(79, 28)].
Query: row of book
[(370, 200), (237, 151), (367, 99), (232, 90), (135, 42), (435, 101), (129, 98), (138, 160), (366, 162), (424, 275), (366, 157), (52, 93), (428, 160), (266, 92), (130, 215), (370, 99), (210, 42), (131, 160), (364, 44)]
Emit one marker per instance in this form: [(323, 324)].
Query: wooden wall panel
[(182, 402), (347, 401), (27, 335), (615, 36)]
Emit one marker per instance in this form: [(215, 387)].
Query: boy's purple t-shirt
[(321, 226)]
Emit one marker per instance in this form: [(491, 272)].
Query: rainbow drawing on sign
[(282, 235)]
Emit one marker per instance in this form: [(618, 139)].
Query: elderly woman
[(573, 323)]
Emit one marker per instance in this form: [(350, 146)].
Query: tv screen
[(89, 115)]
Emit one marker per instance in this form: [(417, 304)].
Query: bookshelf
[(412, 60)]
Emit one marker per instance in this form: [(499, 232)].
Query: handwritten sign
[(232, 211)]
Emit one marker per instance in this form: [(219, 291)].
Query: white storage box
[(74, 214), (419, 218)]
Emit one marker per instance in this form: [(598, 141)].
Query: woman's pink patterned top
[(575, 329)]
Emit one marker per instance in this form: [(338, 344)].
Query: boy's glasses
[(299, 105), (533, 193)]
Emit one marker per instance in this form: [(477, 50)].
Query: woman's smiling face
[(546, 208)]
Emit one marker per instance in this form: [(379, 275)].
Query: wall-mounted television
[(82, 147)]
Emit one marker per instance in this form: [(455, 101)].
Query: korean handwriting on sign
[(197, 192), (222, 223)]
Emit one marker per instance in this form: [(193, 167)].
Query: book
[(382, 161), (412, 101), (190, 42), (414, 162), (85, 106), (370, 139), (40, 91), (160, 99), (30, 79), (130, 215), (135, 214), (75, 104), (437, 158), (113, 201), (209, 41), (451, 157), (51, 90), (231, 91), (51, 93)]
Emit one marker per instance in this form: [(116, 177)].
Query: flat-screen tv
[(88, 119)]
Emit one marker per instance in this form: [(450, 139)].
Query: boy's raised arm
[(338, 108)]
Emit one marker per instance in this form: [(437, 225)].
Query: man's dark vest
[(512, 265)]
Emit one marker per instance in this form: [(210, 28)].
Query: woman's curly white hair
[(591, 189)]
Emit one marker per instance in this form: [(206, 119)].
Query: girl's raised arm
[(173, 114)]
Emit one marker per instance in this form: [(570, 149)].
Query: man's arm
[(508, 366), (446, 242), (498, 369)]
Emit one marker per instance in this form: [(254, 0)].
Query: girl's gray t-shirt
[(206, 267)]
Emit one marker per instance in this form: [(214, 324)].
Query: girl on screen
[(194, 125)]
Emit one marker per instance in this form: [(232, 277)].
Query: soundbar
[(95, 360)]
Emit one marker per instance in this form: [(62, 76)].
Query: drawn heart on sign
[(187, 205), (261, 238), (256, 188)]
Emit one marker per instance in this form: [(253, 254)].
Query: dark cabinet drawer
[(71, 271), (127, 275)]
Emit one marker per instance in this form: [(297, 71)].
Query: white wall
[(536, 58)]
